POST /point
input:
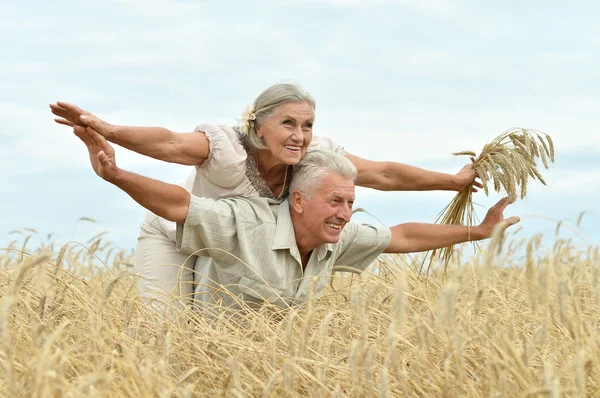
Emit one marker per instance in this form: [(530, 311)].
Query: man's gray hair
[(268, 101), (309, 172)]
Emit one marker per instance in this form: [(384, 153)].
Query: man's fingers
[(513, 220), (82, 134), (107, 163), (477, 184), (97, 136), (93, 131), (104, 160), (100, 141)]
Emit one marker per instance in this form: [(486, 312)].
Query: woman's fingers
[(64, 121), (58, 111), (70, 107), (68, 111), (100, 126)]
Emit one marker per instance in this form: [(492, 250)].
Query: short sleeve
[(360, 245), (226, 161), (325, 143), (209, 224)]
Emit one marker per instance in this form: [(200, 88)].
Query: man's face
[(329, 208)]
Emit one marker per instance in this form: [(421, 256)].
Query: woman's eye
[(288, 122), (308, 126)]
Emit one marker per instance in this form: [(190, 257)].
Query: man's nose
[(344, 213)]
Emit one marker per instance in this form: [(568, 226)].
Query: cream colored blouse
[(229, 171)]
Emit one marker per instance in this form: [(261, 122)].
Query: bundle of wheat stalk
[(507, 162)]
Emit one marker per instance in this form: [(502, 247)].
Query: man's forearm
[(417, 237), (165, 200)]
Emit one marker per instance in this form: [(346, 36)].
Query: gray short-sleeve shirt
[(253, 247)]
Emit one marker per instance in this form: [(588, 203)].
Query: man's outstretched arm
[(165, 200), (417, 237)]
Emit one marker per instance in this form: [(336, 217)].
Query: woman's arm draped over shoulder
[(156, 142), (393, 176)]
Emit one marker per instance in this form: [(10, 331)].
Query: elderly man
[(265, 250)]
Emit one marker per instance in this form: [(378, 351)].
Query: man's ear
[(297, 201)]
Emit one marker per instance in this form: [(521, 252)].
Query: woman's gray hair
[(315, 165), (268, 101)]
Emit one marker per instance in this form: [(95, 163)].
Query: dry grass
[(507, 163), (506, 325)]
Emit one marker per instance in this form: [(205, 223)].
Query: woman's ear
[(257, 127), (297, 200)]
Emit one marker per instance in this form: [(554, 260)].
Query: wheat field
[(514, 320)]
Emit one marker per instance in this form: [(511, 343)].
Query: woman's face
[(288, 132)]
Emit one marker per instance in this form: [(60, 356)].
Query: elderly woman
[(254, 158)]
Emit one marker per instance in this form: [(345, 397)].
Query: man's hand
[(102, 155), (72, 115), (466, 176), (495, 216)]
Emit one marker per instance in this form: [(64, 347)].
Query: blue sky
[(410, 81)]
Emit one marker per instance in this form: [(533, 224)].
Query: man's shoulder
[(353, 232), (250, 209)]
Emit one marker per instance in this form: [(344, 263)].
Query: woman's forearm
[(402, 177), (157, 142), (393, 176)]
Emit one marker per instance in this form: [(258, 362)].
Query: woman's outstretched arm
[(156, 142), (393, 176)]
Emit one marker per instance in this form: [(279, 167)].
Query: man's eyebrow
[(340, 196)]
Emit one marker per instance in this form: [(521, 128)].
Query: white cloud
[(431, 6), (161, 8)]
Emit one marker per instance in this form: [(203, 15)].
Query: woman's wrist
[(114, 132)]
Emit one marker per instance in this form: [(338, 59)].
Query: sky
[(401, 80)]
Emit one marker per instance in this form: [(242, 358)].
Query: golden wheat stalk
[(507, 163)]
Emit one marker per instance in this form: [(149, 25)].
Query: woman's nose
[(297, 134)]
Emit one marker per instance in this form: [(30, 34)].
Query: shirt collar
[(285, 238)]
